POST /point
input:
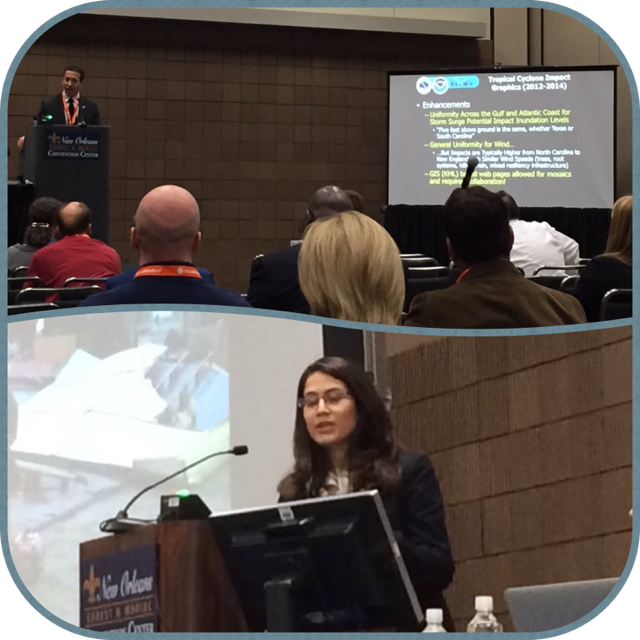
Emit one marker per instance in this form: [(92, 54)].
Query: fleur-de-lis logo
[(53, 138), (91, 584)]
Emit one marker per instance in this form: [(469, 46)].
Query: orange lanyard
[(67, 114), (463, 274), (173, 270)]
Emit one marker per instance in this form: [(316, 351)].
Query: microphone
[(122, 522), (472, 163), (82, 122)]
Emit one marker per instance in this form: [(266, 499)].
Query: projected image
[(99, 408), (546, 136)]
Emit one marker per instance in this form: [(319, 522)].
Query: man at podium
[(68, 107)]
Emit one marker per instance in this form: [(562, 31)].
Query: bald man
[(274, 280), (166, 234), (76, 254)]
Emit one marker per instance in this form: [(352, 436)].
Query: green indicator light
[(183, 493)]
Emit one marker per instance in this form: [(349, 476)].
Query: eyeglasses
[(331, 398)]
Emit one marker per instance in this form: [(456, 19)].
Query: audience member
[(274, 280), (166, 234), (76, 254), (538, 244), (350, 269), (611, 270), (490, 293), (43, 218)]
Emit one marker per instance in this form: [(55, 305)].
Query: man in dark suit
[(274, 280), (490, 293), (68, 107)]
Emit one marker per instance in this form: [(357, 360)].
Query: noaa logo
[(438, 85)]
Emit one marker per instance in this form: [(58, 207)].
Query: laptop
[(550, 606)]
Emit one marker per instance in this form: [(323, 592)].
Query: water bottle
[(484, 621), (434, 622)]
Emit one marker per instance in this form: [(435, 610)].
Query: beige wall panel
[(510, 36)]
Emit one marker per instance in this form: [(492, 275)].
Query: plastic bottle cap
[(484, 604), (434, 616)]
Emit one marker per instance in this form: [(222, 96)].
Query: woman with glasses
[(343, 442)]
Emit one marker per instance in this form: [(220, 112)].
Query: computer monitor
[(325, 564), (551, 606)]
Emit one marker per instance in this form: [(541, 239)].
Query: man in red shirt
[(76, 254)]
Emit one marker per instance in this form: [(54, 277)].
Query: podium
[(71, 163), (162, 577)]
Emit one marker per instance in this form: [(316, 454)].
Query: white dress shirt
[(538, 244)]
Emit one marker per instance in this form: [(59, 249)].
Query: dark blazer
[(166, 290), (417, 517), (52, 106), (128, 276), (601, 275), (274, 282), (494, 295)]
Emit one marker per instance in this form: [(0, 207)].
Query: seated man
[(490, 293), (165, 234), (538, 244), (76, 254), (274, 280)]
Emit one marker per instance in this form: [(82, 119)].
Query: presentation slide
[(109, 404), (546, 136)]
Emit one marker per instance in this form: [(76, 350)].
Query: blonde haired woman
[(350, 269), (611, 270)]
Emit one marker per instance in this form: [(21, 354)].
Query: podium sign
[(84, 145), (119, 592), (71, 163)]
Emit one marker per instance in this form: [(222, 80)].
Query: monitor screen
[(338, 555), (544, 135)]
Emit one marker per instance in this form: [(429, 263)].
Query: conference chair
[(560, 267), (14, 309), (616, 305), (15, 284), (72, 282), (412, 255), (568, 285), (19, 271), (66, 297), (422, 261), (423, 272), (416, 286)]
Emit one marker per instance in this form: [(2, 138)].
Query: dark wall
[(251, 119)]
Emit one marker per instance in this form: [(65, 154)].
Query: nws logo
[(439, 85)]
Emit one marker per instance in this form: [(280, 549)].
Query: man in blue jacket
[(166, 234)]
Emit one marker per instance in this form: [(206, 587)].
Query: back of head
[(73, 219), (621, 230), (350, 269), (329, 201), (166, 224), (477, 225), (511, 204), (43, 218)]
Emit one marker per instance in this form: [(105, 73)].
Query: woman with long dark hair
[(343, 442)]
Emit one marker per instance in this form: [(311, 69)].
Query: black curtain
[(420, 228)]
